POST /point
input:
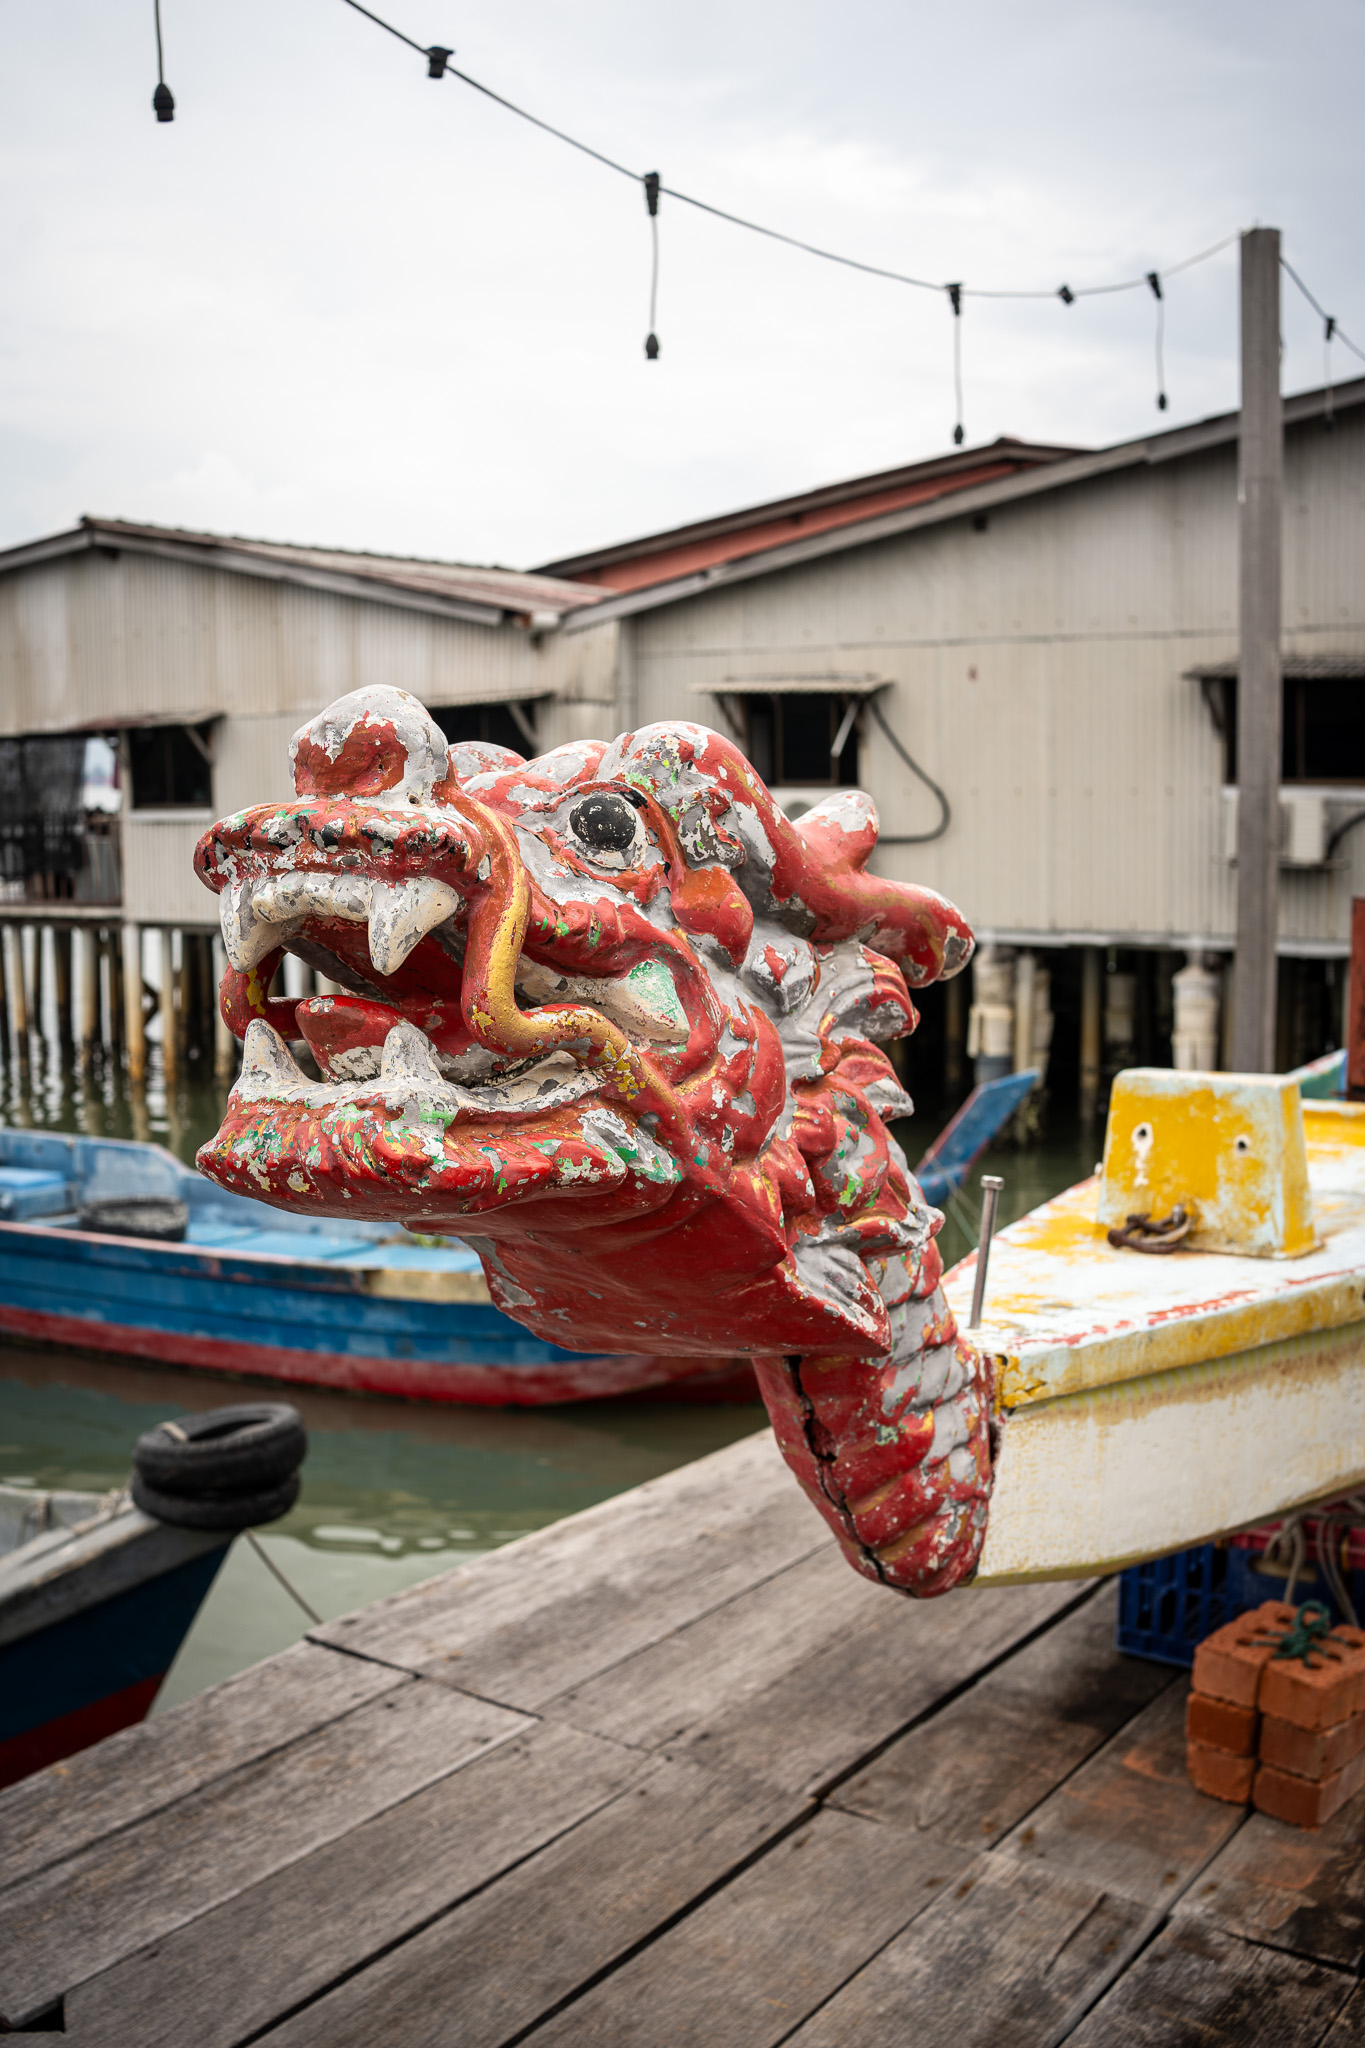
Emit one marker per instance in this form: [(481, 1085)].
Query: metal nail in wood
[(991, 1185)]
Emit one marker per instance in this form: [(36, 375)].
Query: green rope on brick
[(1310, 1630)]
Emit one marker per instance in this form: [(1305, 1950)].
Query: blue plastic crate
[(1169, 1605)]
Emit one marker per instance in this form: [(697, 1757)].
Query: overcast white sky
[(336, 302)]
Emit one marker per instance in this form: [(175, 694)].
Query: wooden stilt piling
[(61, 975), (224, 1044), (170, 1047), (134, 1031), (89, 958), (1091, 1029)]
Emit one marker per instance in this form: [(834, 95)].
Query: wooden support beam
[(1355, 1005), (1260, 488), (224, 1044), (61, 974), (134, 1032), (170, 1036), (1092, 986), (14, 933), (89, 959)]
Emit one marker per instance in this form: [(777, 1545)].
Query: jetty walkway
[(669, 1773)]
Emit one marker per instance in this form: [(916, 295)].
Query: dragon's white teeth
[(268, 1066), (401, 915), (310, 894), (246, 937), (409, 1057)]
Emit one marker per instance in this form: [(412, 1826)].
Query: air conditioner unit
[(1303, 827)]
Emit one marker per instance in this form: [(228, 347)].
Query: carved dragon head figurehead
[(616, 1021)]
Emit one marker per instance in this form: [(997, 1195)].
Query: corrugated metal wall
[(1039, 675), (94, 636), (99, 636)]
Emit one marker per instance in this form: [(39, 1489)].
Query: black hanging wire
[(945, 818), (925, 284), (1332, 329), (954, 292), (1155, 282), (1329, 328), (651, 184), (163, 101)]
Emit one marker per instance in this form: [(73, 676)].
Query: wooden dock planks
[(669, 1772)]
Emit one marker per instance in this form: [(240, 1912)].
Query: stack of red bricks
[(1285, 1733)]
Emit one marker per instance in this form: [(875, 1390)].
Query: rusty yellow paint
[(1095, 1480), (1065, 1311), (1228, 1148)]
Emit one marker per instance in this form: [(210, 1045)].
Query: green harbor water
[(393, 1491)]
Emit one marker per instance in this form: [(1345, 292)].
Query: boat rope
[(1287, 1550), (1153, 1233), (290, 1588)]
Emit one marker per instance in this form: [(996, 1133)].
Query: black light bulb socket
[(651, 348), (652, 192), (437, 59), (1066, 295), (1155, 282), (958, 435), (163, 103)]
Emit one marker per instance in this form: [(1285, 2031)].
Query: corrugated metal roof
[(658, 557), (1024, 482), (1296, 668), (487, 596)]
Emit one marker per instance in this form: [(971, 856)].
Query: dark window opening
[(790, 734), (491, 725), (1323, 734), (169, 766)]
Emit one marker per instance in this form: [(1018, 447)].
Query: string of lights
[(438, 63)]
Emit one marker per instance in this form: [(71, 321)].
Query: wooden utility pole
[(1260, 483)]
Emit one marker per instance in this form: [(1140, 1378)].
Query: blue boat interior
[(45, 1176)]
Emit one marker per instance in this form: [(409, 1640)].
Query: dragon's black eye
[(604, 821)]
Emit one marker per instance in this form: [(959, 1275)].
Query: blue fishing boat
[(237, 1286), (97, 1592), (110, 1245), (95, 1599)]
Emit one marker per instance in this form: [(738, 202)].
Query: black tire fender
[(217, 1510), (246, 1449)]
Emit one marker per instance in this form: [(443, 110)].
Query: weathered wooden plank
[(1293, 1888), (529, 1621), (135, 1773), (775, 1943), (1130, 1820), (798, 1678), (80, 1916), (307, 1926), (1196, 1986), (483, 1974), (1348, 2030), (1007, 1954), (981, 1765)]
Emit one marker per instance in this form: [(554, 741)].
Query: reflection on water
[(53, 1092), (392, 1490)]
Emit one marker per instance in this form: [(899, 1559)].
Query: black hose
[(1346, 825), (945, 820)]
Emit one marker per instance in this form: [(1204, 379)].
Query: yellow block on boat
[(1226, 1148)]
